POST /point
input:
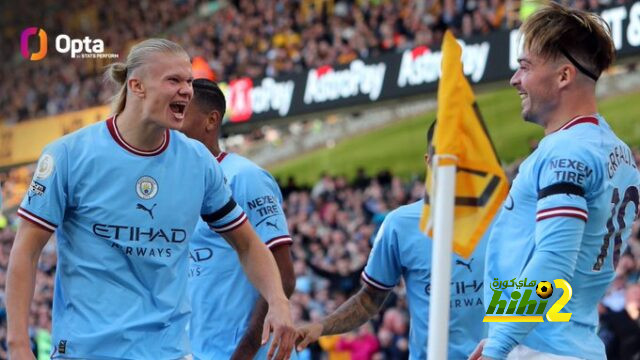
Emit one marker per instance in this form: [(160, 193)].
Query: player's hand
[(278, 321), (308, 334), (21, 353), (477, 353)]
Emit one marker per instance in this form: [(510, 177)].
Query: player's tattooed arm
[(353, 313), (356, 311)]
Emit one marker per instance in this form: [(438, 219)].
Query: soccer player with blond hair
[(123, 197)]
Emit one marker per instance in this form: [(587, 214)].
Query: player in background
[(123, 197), (575, 197), (400, 249), (228, 312)]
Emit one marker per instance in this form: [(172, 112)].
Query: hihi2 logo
[(522, 308)]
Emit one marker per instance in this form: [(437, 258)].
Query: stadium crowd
[(332, 224), (236, 38)]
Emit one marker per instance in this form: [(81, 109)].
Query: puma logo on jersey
[(467, 265), (144, 208), (273, 224)]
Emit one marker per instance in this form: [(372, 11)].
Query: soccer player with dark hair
[(400, 249), (228, 311), (575, 197), (123, 197)]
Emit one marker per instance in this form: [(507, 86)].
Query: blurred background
[(332, 96)]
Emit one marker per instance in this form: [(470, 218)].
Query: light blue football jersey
[(122, 218), (401, 249), (567, 214), (222, 296)]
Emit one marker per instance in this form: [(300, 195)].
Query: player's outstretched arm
[(250, 342), (357, 310), (21, 278), (262, 271), (562, 212)]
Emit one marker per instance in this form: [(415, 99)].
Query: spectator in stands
[(393, 332), (623, 327), (361, 345), (362, 180), (341, 275)]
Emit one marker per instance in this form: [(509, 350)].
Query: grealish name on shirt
[(620, 155)]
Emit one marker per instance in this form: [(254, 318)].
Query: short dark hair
[(208, 96)]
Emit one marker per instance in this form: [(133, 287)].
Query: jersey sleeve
[(383, 268), (46, 199), (219, 209), (260, 197), (566, 178)]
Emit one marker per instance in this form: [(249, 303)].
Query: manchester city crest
[(146, 187)]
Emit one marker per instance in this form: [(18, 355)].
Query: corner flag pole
[(443, 211), (460, 141)]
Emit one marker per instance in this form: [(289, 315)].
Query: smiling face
[(536, 82), (166, 88)]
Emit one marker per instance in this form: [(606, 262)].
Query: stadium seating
[(244, 38)]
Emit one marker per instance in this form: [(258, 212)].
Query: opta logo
[(85, 48), (24, 43)]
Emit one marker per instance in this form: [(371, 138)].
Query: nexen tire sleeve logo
[(24, 43)]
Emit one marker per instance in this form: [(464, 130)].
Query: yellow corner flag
[(481, 185)]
